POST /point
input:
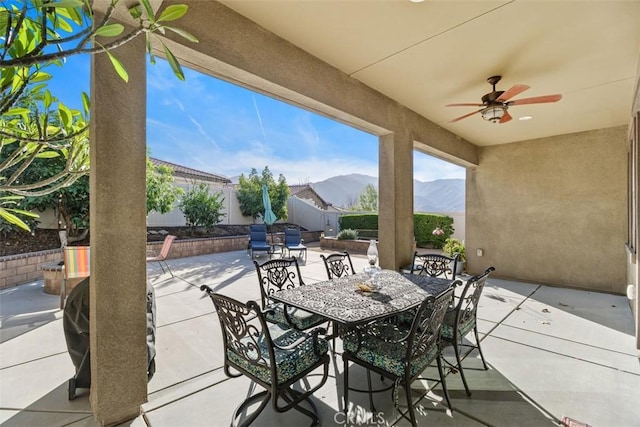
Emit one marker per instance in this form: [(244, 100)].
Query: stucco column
[(395, 200), (118, 236)]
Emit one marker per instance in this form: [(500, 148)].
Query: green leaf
[(4, 21), (47, 99), (183, 33), (173, 62), (122, 72), (64, 25), (110, 30), (135, 11), (12, 219), (65, 116), (86, 103), (17, 111), (65, 3), (149, 9), (8, 198), (48, 155), (173, 12), (40, 76), (71, 13)]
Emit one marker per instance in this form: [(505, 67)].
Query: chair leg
[(264, 395), (456, 349), (167, 265), (371, 407), (412, 414), (475, 331), (313, 414), (161, 266), (345, 388), (443, 381), (63, 292)]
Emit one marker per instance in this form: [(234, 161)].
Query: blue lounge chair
[(258, 239), (293, 242)]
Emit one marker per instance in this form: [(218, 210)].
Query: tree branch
[(50, 141), (24, 190), (25, 164), (27, 61)]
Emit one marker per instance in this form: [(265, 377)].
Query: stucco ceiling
[(426, 55)]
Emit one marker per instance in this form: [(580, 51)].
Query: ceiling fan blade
[(507, 117), (513, 91), (537, 100), (467, 104), (465, 116)]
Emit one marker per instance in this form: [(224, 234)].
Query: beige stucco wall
[(552, 210)]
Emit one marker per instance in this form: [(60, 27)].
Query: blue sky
[(214, 126)]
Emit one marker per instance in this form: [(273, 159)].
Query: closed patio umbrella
[(269, 217)]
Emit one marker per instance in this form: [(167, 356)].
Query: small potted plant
[(453, 246)]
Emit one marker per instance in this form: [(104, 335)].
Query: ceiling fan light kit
[(493, 113), (495, 104)]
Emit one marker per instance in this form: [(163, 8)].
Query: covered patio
[(553, 203), (552, 353)]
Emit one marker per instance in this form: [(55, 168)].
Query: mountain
[(442, 195)]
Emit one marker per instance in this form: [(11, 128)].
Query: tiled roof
[(185, 172), (298, 188), (295, 189)]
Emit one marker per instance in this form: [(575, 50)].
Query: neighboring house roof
[(188, 173), (305, 191)]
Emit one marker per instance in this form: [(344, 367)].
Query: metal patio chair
[(293, 242), (271, 355), (461, 318), (399, 352), (161, 258), (278, 274), (258, 240)]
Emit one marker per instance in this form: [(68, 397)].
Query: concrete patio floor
[(552, 353)]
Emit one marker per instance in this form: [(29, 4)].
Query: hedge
[(423, 226)]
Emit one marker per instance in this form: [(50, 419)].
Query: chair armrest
[(313, 334)]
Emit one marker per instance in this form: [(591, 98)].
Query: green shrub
[(359, 221), (200, 208), (454, 246), (367, 234), (423, 226), (347, 234)]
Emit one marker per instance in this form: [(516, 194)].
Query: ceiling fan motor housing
[(490, 98)]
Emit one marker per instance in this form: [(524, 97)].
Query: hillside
[(442, 195)]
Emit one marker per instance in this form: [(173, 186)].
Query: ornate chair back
[(338, 265), (434, 265), (277, 274)]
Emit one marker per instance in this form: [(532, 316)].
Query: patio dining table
[(342, 301)]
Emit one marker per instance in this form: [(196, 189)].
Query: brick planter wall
[(18, 269)]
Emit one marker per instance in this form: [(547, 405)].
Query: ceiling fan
[(496, 103)]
